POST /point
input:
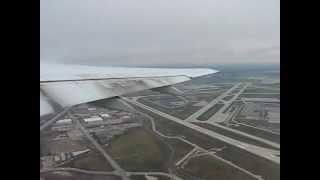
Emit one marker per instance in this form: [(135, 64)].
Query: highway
[(259, 151), (118, 170)]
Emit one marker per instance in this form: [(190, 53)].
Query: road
[(114, 173), (261, 129), (172, 176), (80, 171), (186, 156), (54, 119), (118, 170), (259, 151)]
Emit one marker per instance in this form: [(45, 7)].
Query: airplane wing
[(69, 85)]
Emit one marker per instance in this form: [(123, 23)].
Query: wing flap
[(71, 93), (69, 85)]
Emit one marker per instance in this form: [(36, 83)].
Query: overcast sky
[(156, 32)]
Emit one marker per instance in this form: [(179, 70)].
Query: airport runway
[(219, 116), (212, 103), (262, 152)]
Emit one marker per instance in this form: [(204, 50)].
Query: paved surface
[(186, 156), (273, 144), (195, 115), (118, 170), (54, 119), (266, 87), (262, 152), (196, 147), (80, 171), (156, 174), (111, 172), (219, 116), (266, 130)]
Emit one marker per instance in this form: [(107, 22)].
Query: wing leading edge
[(66, 85)]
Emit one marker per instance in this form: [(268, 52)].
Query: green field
[(233, 135), (208, 167), (67, 175), (255, 164), (90, 161), (208, 96), (141, 177), (274, 127), (257, 132), (170, 128), (210, 112), (261, 90), (232, 106), (260, 95), (179, 112), (180, 148), (139, 150), (227, 98)]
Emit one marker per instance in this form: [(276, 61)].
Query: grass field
[(141, 177), (274, 127), (90, 161), (209, 96), (208, 167), (210, 112), (260, 95), (235, 155), (233, 135), (232, 106), (139, 150), (180, 148), (180, 112), (170, 128), (257, 165), (227, 98), (63, 175), (258, 133), (261, 90)]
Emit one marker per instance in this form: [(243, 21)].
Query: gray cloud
[(136, 32)]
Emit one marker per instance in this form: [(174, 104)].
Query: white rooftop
[(105, 115), (62, 121), (92, 119)]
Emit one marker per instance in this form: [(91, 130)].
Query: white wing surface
[(68, 85)]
